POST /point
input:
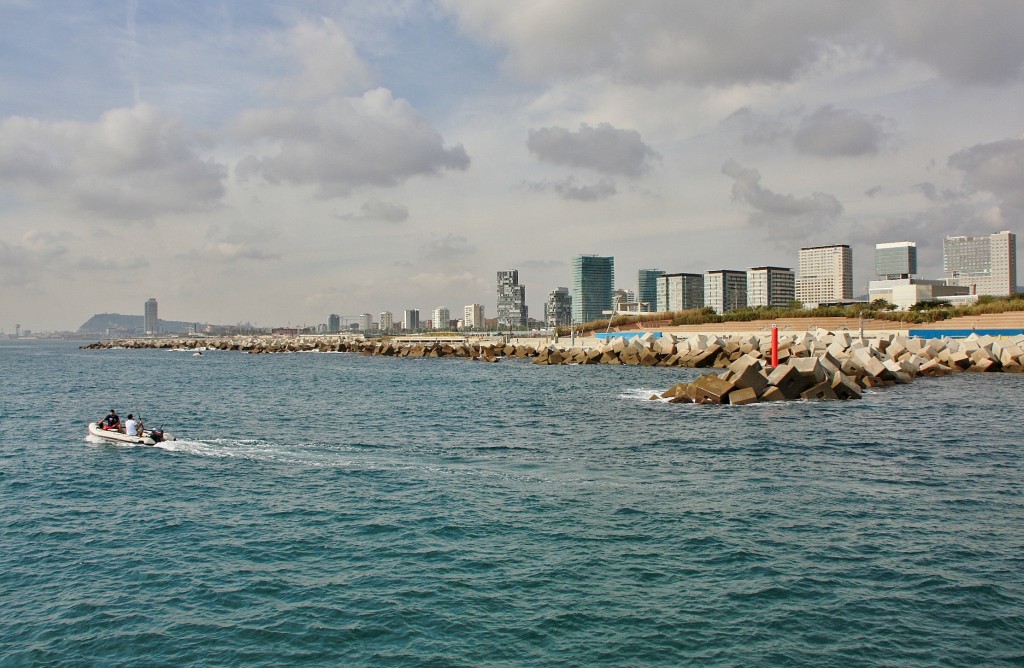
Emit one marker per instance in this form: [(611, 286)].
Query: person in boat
[(112, 422), (132, 427)]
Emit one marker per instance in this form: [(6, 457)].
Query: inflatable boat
[(147, 437)]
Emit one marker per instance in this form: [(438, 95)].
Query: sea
[(334, 509)]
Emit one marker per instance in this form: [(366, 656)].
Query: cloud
[(330, 64), (542, 264), (345, 143), (135, 163), (790, 217), (449, 249), (826, 132), (570, 189), (239, 241), (723, 44), (966, 42), (830, 132), (378, 210), (35, 254), (996, 168), (933, 193), (603, 149)]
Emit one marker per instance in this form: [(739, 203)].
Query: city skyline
[(269, 164)]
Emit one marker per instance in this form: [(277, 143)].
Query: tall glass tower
[(152, 323), (592, 279), (647, 287), (896, 259)]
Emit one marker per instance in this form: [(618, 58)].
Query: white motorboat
[(147, 437)]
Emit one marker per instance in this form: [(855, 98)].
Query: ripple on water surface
[(342, 509)]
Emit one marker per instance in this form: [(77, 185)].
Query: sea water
[(336, 509)]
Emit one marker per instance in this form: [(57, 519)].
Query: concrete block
[(773, 394), (707, 357), (810, 369), (674, 391), (711, 389), (844, 387), (787, 379), (750, 377), (959, 359), (984, 364), (820, 392), (745, 395), (836, 350), (744, 361)]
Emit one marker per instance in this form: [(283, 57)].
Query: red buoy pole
[(775, 346)]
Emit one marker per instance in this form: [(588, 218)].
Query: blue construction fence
[(624, 335), (962, 333)]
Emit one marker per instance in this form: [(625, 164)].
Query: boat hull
[(146, 438)]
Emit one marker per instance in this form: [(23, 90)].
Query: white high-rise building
[(387, 321), (411, 320), (441, 318), (725, 290), (770, 286), (987, 264), (679, 292), (365, 322), (558, 308), (473, 317), (826, 275)]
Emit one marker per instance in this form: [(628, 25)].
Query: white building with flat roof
[(440, 318), (987, 264), (473, 317), (770, 286), (679, 292), (826, 275), (725, 290), (903, 293)]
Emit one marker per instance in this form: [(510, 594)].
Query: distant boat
[(147, 437)]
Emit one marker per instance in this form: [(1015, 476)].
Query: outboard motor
[(157, 435)]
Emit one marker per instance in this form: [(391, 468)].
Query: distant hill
[(102, 323)]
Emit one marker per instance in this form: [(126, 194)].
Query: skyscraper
[(333, 323), (365, 322), (387, 321), (680, 292), (647, 288), (473, 317), (512, 311), (725, 290), (770, 286), (441, 318), (558, 308), (592, 280), (897, 259), (152, 322), (411, 320), (826, 275), (987, 264)]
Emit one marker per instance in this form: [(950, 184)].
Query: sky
[(272, 163)]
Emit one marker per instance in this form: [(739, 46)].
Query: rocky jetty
[(813, 365)]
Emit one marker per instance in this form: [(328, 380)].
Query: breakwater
[(813, 365)]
